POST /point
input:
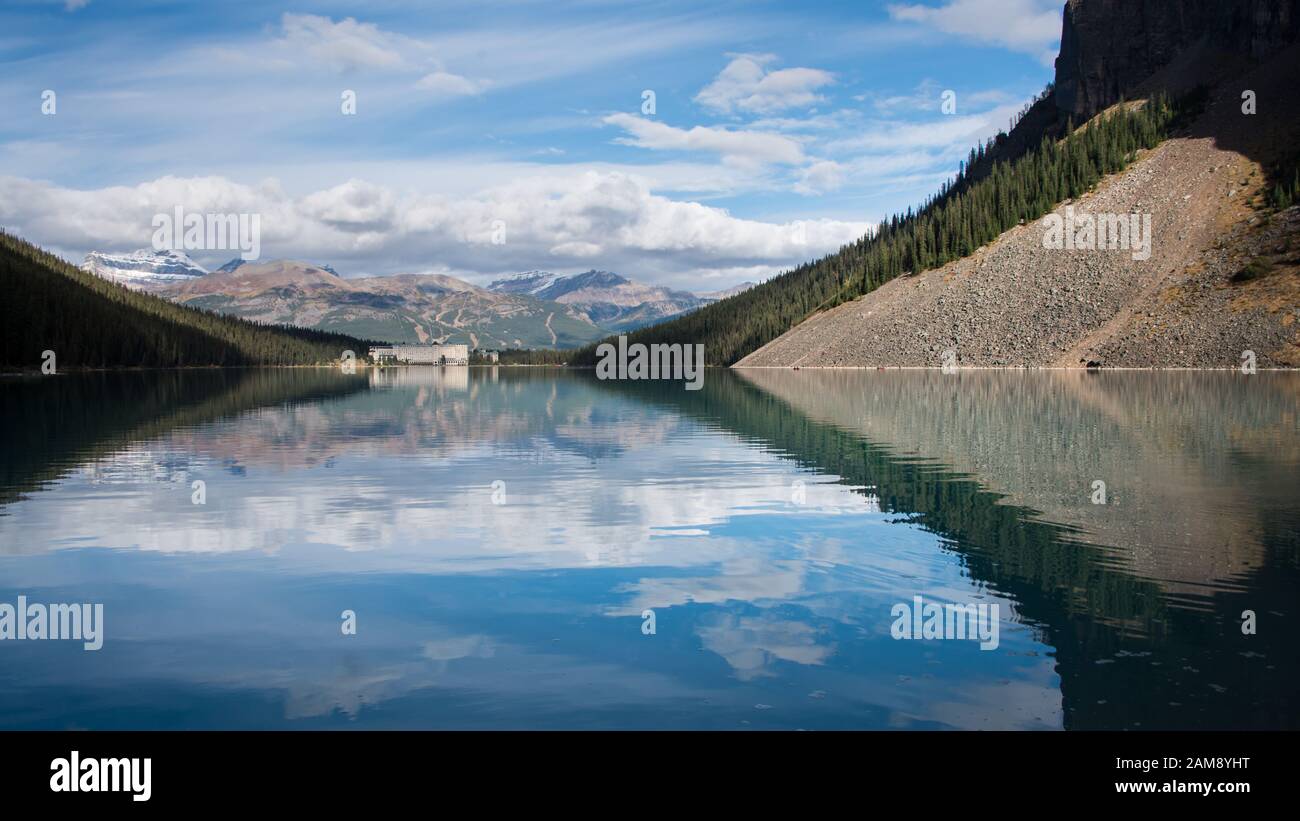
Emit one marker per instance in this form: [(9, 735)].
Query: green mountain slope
[(986, 198), (89, 322)]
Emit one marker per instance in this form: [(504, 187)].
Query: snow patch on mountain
[(529, 282), (238, 262), (143, 269)]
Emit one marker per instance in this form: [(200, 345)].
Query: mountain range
[(531, 310), (56, 317), (607, 299)]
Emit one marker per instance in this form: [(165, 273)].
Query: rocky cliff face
[(1108, 47)]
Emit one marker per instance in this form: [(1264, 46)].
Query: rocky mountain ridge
[(1221, 287)]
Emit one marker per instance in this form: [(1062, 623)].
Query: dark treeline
[(1285, 176), (968, 212), (90, 322), (524, 356)]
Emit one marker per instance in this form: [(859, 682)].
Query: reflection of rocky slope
[(1110, 627), (1042, 439)]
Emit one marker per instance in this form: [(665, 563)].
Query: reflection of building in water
[(421, 355), (453, 379)]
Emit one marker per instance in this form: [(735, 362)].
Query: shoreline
[(334, 367), (1150, 368), (958, 369)]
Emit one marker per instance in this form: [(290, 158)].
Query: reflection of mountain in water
[(54, 425), (1143, 615), (1194, 463), (1115, 631), (50, 425)]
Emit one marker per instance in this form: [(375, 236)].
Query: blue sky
[(779, 130)]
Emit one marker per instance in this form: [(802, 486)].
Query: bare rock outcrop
[(1110, 47)]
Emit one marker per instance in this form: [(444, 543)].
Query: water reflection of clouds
[(750, 644), (431, 513), (637, 507)]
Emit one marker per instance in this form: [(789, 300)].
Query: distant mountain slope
[(90, 322), (401, 308), (143, 269), (607, 299), (714, 296)]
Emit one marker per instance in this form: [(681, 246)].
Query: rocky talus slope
[(1016, 303)]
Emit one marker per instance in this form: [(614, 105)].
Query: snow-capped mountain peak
[(528, 282), (144, 268)]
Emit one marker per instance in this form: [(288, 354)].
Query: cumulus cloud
[(355, 205), (575, 220), (736, 146), (745, 85), (1029, 26)]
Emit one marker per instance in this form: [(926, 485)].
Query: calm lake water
[(500, 533)]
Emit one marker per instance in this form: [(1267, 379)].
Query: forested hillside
[(967, 213), (89, 322)]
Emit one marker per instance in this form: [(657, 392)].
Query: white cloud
[(452, 85), (344, 45), (820, 177), (348, 45), (1029, 26), (751, 148), (355, 205), (819, 123), (745, 85), (946, 131), (925, 97), (563, 219), (581, 250)]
